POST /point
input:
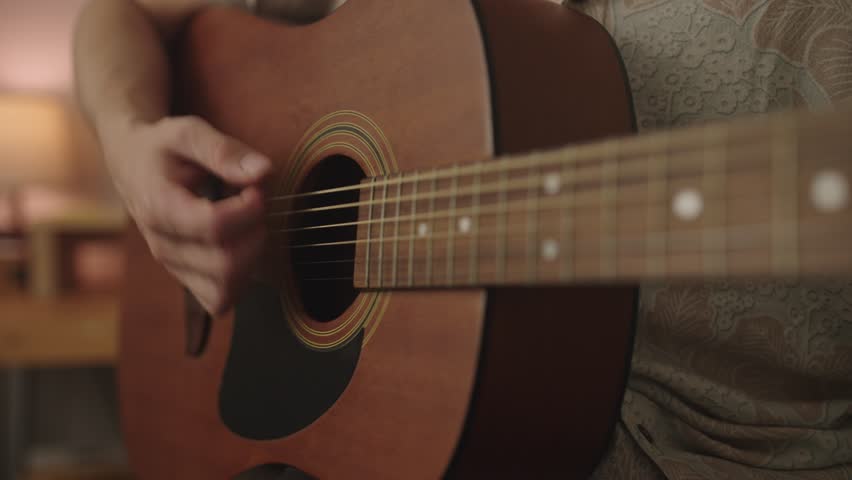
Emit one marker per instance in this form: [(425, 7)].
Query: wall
[(73, 409), (35, 58)]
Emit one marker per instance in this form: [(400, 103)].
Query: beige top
[(751, 380)]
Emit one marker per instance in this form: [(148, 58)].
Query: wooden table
[(70, 330), (65, 331), (48, 238), (50, 325)]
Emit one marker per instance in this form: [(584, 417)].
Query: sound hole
[(324, 273)]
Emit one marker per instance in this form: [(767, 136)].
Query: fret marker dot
[(688, 204), (549, 250), (422, 230), (465, 224), (830, 191), (552, 183)]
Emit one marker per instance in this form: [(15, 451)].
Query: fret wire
[(587, 200), (715, 160), (658, 193), (382, 232), (636, 166), (532, 216), (474, 244), (744, 238), (502, 219), (451, 225), (429, 232), (565, 224), (688, 237), (609, 177), (412, 230), (396, 229), (369, 231), (784, 203)]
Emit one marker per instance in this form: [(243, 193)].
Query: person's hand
[(160, 170)]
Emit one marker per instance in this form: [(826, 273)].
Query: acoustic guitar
[(458, 222)]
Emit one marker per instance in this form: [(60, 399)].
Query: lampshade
[(34, 140)]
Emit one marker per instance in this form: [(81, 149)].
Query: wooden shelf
[(70, 330), (46, 242)]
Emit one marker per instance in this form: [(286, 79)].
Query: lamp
[(34, 147), (34, 150)]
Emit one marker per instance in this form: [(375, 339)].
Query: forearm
[(120, 58), (121, 66)]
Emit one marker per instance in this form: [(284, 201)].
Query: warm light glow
[(35, 44), (34, 140)]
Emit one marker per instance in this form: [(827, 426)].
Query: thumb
[(197, 141)]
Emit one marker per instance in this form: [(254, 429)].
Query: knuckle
[(219, 150), (189, 122), (185, 129), (195, 134)]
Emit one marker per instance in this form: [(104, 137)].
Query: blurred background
[(60, 261)]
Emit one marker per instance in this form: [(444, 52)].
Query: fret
[(609, 199), (474, 242), (658, 209), (382, 233), (451, 227), (641, 230), (713, 184), (784, 195), (369, 231), (428, 231), (501, 231), (412, 230), (566, 223), (394, 265), (532, 223)]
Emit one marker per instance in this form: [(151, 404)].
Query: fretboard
[(767, 196)]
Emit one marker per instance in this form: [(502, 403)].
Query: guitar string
[(591, 196), (556, 202), (741, 244), (487, 233), (495, 187), (588, 173), (739, 233), (567, 200), (584, 152)]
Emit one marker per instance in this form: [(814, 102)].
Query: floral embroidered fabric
[(748, 380)]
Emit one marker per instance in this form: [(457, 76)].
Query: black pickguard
[(273, 385)]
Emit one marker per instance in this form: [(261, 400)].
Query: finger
[(227, 158), (238, 214), (227, 267), (184, 216), (203, 288)]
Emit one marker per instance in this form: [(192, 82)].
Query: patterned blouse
[(749, 380)]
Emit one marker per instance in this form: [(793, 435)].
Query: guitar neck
[(766, 196)]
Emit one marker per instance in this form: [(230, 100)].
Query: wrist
[(111, 127)]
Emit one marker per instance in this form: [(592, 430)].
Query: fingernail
[(254, 164)]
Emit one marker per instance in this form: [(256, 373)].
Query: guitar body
[(397, 384)]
